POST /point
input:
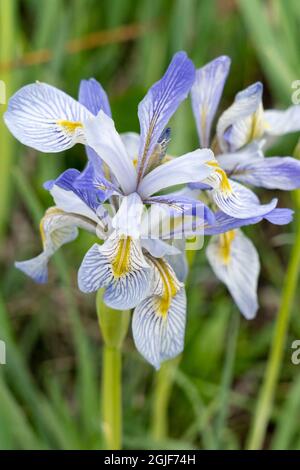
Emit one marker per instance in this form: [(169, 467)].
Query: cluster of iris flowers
[(128, 196)]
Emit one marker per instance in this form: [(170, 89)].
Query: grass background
[(49, 389)]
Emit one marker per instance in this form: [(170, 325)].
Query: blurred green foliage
[(49, 389)]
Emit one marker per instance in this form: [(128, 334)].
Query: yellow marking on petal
[(70, 126), (135, 162), (170, 287), (50, 212), (146, 148), (121, 262), (225, 241), (225, 185), (257, 125), (203, 120), (167, 158), (106, 171)]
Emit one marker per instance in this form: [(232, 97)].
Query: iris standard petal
[(270, 172), (158, 322), (235, 262), (243, 121), (160, 103), (282, 122), (119, 265), (45, 118), (57, 228), (93, 97), (189, 168), (102, 136), (206, 93)]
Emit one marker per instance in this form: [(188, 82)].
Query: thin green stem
[(113, 326), (267, 392), (162, 391), (112, 397), (7, 48)]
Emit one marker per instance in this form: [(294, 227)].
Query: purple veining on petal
[(270, 172), (224, 223), (93, 96), (160, 103), (67, 180), (206, 93)]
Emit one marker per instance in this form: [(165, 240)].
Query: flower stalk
[(267, 392), (113, 326), (163, 385)]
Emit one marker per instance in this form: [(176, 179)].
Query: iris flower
[(146, 273), (128, 171), (242, 131)]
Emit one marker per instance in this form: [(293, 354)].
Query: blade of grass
[(227, 377), (7, 46), (288, 423), (202, 412), (45, 420), (270, 51), (289, 35), (21, 430)]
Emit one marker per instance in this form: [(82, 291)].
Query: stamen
[(203, 120)]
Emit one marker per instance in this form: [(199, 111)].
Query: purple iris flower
[(242, 133)]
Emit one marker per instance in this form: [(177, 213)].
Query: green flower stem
[(8, 42), (112, 397), (162, 390), (114, 326), (267, 392)]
